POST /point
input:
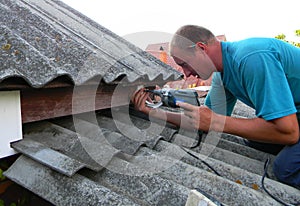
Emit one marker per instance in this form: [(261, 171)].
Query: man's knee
[(279, 171), (287, 172)]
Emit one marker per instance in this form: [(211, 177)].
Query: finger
[(185, 106), (149, 99), (136, 94), (144, 96), (137, 97), (140, 98)]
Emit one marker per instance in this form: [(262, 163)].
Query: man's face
[(194, 61)]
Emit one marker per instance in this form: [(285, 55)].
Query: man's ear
[(202, 46)]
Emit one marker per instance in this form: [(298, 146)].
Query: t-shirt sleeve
[(267, 87), (218, 98)]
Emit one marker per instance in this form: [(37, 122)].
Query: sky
[(143, 22)]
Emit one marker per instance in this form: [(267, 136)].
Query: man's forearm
[(281, 131), (284, 130), (178, 119)]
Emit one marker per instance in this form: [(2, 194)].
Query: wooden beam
[(47, 103)]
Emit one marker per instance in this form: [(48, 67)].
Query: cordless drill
[(169, 97)]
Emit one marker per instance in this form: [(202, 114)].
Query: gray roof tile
[(52, 158), (154, 174), (43, 40), (63, 190)]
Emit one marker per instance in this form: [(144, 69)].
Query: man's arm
[(284, 130)]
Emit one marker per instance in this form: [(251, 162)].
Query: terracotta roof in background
[(221, 37), (160, 49)]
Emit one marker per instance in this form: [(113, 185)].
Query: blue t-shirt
[(264, 73)]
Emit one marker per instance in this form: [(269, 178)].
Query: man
[(264, 73)]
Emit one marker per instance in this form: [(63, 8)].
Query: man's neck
[(215, 54)]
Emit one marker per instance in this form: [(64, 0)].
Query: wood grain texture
[(47, 103)]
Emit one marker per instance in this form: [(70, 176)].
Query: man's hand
[(139, 100), (198, 117)]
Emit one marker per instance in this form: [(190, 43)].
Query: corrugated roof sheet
[(105, 159), (41, 40)]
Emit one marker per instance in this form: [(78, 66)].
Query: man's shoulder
[(254, 44), (255, 41), (240, 50)]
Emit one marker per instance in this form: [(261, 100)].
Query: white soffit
[(10, 121)]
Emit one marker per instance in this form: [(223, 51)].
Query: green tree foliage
[(283, 38), (280, 36)]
